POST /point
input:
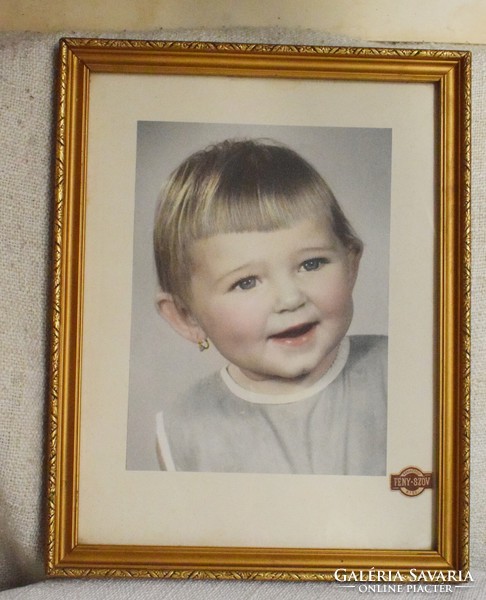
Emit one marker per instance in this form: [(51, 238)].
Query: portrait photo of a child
[(260, 300)]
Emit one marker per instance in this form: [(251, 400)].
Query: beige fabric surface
[(27, 105)]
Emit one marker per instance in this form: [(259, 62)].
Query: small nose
[(288, 295)]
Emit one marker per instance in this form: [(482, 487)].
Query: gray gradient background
[(355, 162)]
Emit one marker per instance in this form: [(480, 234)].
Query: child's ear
[(179, 318), (354, 258)]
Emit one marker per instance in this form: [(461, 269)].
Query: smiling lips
[(295, 336)]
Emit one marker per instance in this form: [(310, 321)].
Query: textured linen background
[(27, 108)]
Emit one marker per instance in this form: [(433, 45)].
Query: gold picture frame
[(83, 64)]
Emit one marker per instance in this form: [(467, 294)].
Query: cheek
[(234, 321), (335, 297)]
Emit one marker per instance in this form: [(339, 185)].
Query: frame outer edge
[(57, 241), (67, 301), (465, 196), (68, 81)]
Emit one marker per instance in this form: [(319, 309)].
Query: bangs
[(256, 187), (254, 212)]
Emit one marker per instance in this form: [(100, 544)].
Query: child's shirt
[(335, 427)]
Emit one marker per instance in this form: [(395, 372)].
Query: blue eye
[(245, 284), (313, 264)]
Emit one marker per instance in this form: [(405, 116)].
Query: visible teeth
[(295, 331)]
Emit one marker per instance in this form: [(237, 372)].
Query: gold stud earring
[(203, 345)]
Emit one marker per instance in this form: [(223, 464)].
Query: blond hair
[(237, 186)]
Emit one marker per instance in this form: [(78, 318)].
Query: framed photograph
[(260, 315)]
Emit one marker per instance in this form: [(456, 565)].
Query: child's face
[(275, 304)]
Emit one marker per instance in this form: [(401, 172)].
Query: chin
[(296, 375)]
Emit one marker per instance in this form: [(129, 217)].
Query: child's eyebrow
[(249, 265), (323, 248)]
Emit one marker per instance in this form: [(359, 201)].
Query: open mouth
[(294, 332)]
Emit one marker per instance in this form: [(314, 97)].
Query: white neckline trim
[(257, 398)]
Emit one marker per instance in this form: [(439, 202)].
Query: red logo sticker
[(411, 481)]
